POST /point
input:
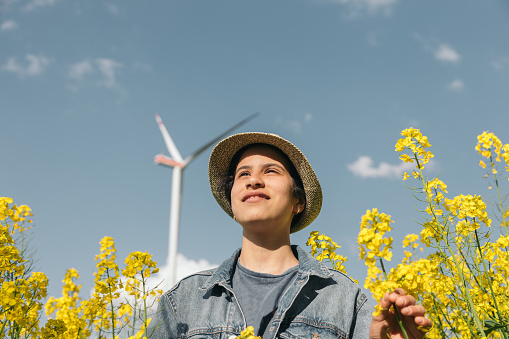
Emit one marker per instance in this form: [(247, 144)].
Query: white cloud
[(100, 72), (34, 4), (113, 9), (445, 53), (185, 267), (8, 25), (107, 68), (36, 65), (456, 86), (358, 7), (78, 70), (4, 4), (500, 63), (363, 167), (296, 124)]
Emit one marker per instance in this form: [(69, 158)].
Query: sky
[(81, 81)]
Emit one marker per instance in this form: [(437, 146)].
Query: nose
[(255, 181)]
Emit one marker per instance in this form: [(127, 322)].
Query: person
[(267, 185)]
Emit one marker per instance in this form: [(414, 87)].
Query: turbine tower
[(178, 164)]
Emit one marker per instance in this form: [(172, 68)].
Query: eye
[(271, 170), (242, 174)]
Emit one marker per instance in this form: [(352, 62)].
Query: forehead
[(264, 151)]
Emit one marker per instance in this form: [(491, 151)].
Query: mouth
[(255, 196)]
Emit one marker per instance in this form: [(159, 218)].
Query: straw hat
[(225, 150)]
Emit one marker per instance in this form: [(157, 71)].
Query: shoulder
[(341, 289), (191, 282), (342, 277), (186, 292), (345, 281)]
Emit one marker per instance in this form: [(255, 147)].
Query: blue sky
[(81, 81)]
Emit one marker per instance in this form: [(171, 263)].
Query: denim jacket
[(321, 303)]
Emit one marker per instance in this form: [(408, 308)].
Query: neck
[(265, 254)]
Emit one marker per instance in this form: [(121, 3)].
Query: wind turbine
[(178, 164)]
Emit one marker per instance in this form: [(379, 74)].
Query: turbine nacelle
[(162, 159)]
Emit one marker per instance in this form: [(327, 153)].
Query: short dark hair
[(226, 183)]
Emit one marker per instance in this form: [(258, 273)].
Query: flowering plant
[(21, 291), (463, 281), (118, 302)]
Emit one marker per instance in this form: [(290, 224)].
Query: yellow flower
[(416, 143), (248, 333), (53, 329), (323, 248), (406, 158)]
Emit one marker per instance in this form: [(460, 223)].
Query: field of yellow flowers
[(462, 281)]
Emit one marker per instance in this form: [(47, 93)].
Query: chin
[(262, 225)]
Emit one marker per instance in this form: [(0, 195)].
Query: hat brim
[(225, 150)]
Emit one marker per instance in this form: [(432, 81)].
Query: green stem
[(499, 197), (500, 319), (396, 312), (465, 290), (440, 309), (3, 327), (144, 305), (112, 307)]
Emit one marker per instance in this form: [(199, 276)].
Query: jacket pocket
[(309, 330), (209, 333)]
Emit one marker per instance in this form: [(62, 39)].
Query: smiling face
[(262, 192)]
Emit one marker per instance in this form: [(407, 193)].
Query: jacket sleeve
[(164, 322)]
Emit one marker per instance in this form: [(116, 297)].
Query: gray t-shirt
[(258, 294)]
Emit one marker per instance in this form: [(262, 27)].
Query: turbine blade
[(203, 148), (170, 145)]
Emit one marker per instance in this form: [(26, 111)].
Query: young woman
[(267, 185)]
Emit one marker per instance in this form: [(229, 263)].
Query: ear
[(299, 206)]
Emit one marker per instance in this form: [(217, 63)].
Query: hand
[(386, 324)]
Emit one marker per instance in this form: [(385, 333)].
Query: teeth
[(256, 197)]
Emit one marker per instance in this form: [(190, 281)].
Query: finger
[(423, 322), (386, 301), (413, 311), (399, 298), (404, 301), (385, 304), (427, 325), (396, 294)]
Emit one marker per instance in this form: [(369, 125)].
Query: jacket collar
[(307, 266)]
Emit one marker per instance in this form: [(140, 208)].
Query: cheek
[(234, 195), (235, 190)]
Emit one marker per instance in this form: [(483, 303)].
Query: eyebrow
[(264, 166)]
